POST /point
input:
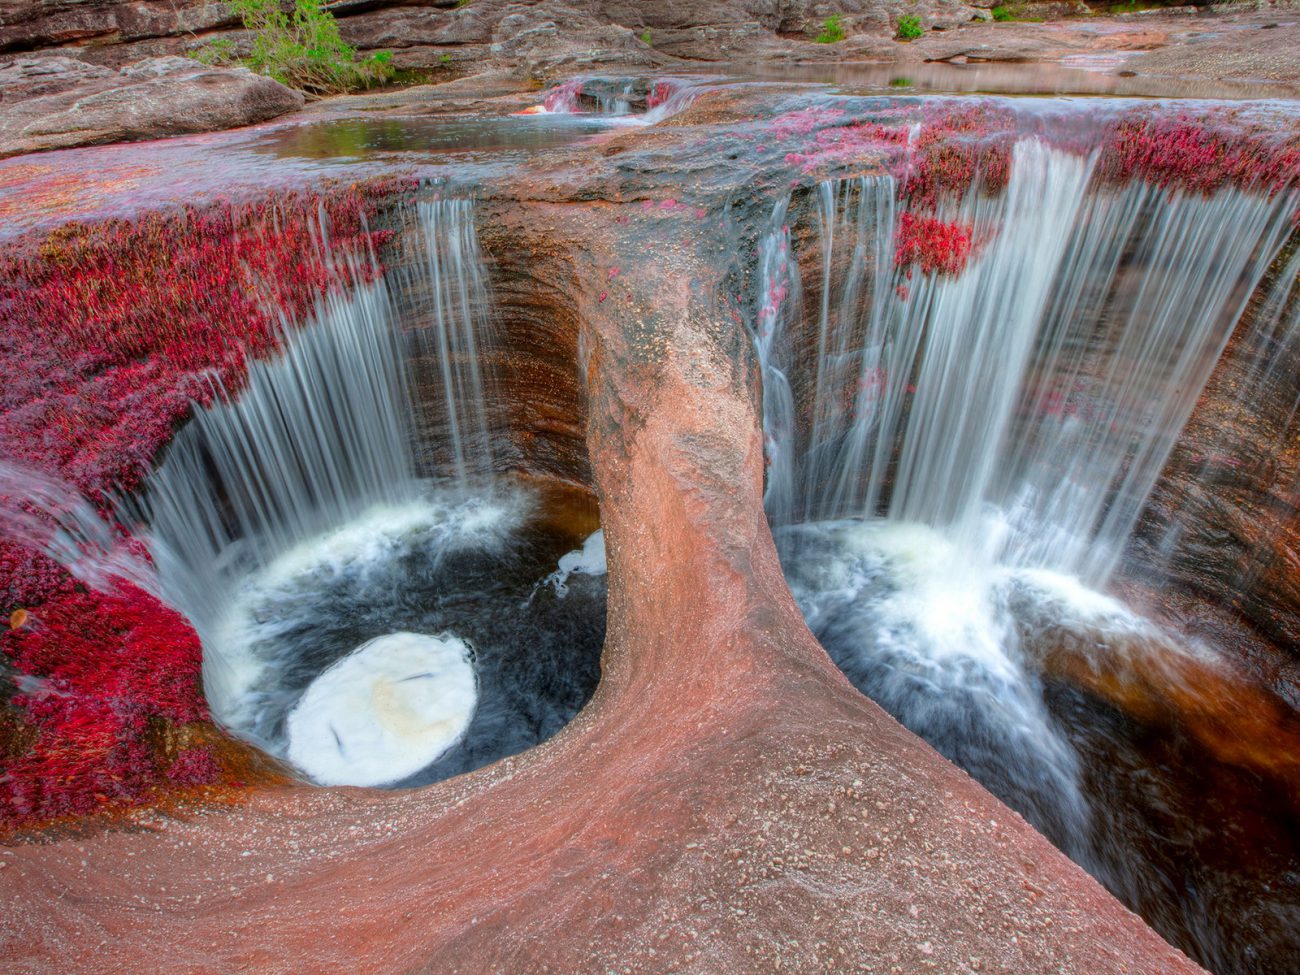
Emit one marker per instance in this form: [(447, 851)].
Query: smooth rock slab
[(55, 103)]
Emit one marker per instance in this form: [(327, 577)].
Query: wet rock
[(1222, 527), (54, 103)]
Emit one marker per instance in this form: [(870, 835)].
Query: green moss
[(220, 51)]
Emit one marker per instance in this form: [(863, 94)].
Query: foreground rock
[(727, 803), (56, 102)]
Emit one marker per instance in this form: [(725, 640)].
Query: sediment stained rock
[(1222, 527), (726, 803)]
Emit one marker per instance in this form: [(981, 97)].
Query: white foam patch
[(587, 561), (385, 711)]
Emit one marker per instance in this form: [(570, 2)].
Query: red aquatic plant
[(959, 147), (100, 669), (109, 333), (194, 766), (824, 139), (564, 97), (950, 149), (936, 246), (662, 92), (1200, 153)]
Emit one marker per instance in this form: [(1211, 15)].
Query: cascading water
[(957, 461), (48, 515), (1265, 389), (334, 532), (1027, 404), (318, 436), (443, 286)]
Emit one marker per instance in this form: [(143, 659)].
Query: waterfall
[(49, 515), (316, 469), (317, 436), (445, 301), (1255, 429), (778, 297), (610, 102), (1027, 404), (956, 461)]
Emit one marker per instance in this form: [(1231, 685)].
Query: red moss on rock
[(109, 333), (194, 766), (825, 141), (1200, 153), (102, 667), (564, 97), (960, 147), (936, 246)]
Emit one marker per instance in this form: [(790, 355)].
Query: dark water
[(536, 645), (1168, 777)]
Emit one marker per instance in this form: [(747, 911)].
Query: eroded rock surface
[(727, 803), (56, 102)]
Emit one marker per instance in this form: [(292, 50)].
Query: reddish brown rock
[(726, 803), (1222, 528)]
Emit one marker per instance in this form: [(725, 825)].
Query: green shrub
[(220, 51), (304, 49), (645, 37), (1003, 13), (909, 27), (832, 31)]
